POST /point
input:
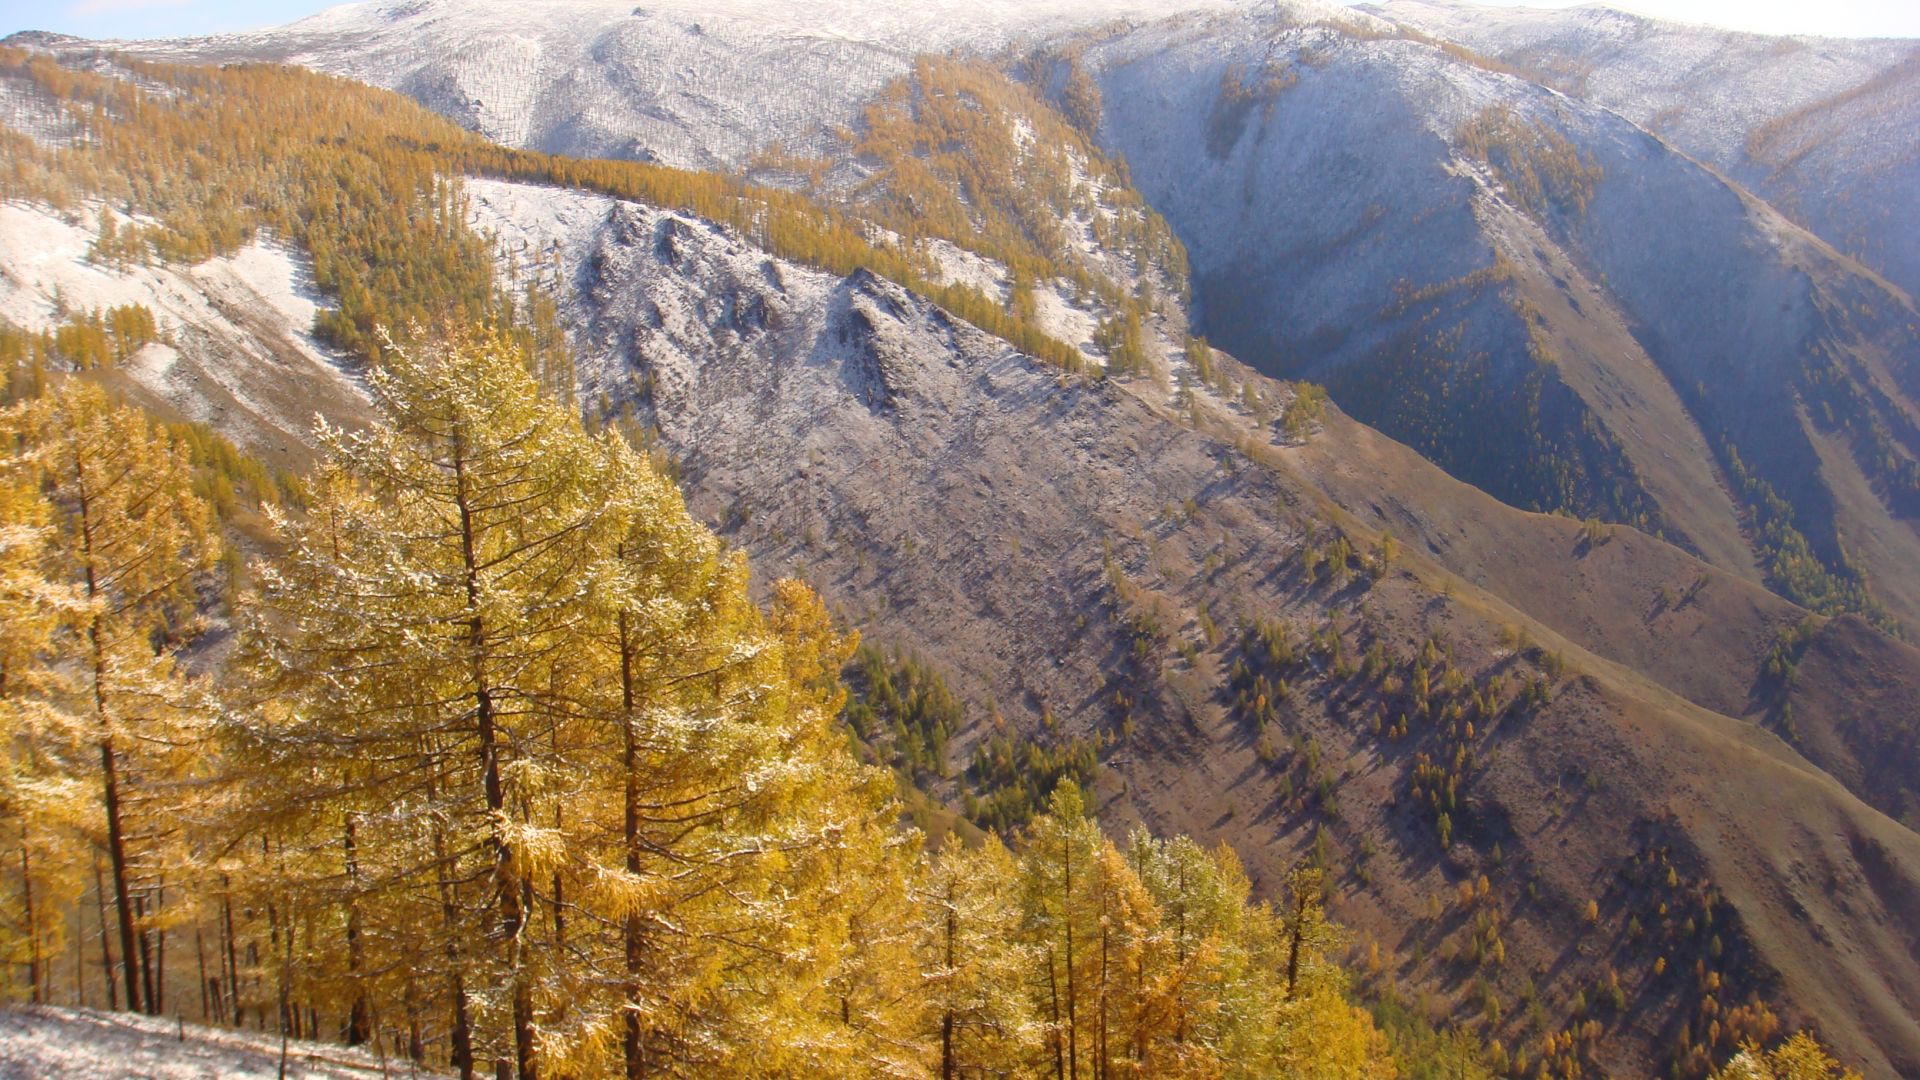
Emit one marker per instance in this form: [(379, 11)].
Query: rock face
[(950, 494)]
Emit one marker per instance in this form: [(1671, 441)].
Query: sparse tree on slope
[(1799, 1058)]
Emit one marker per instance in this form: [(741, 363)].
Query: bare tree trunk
[(416, 1045), (206, 988), (558, 907), (157, 993), (33, 924), (273, 940), (106, 942), (110, 781), (286, 1003), (507, 890), (630, 931), (232, 957), (461, 1048), (1294, 933), (117, 857), (1053, 994), (145, 938), (357, 1020), (1073, 1019), (79, 957), (947, 1063), (1180, 958), (1101, 1063)]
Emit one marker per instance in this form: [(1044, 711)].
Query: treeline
[(208, 158), (507, 767), (902, 707), (965, 153), (1541, 169), (1012, 777), (960, 151), (366, 182), (903, 702)]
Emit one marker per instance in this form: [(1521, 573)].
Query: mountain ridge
[(1545, 436)]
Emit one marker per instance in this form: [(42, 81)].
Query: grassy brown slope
[(1565, 801), (1577, 328), (1607, 597), (1060, 551), (1851, 709), (1824, 885)]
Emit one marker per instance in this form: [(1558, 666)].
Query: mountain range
[(1588, 574)]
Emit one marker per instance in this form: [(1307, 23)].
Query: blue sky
[(149, 18), (164, 18)]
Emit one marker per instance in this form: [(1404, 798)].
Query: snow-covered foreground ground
[(41, 1043)]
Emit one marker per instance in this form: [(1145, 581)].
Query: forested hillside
[(506, 765), (502, 763), (469, 742)]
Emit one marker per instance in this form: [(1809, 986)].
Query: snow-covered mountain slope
[(236, 348), (1435, 239), (1822, 127), (700, 83), (1317, 162), (1702, 87)]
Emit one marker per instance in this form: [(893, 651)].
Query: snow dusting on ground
[(958, 266), (42, 1043)]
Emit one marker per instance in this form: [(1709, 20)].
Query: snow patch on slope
[(1061, 318), (958, 266), (238, 349)]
